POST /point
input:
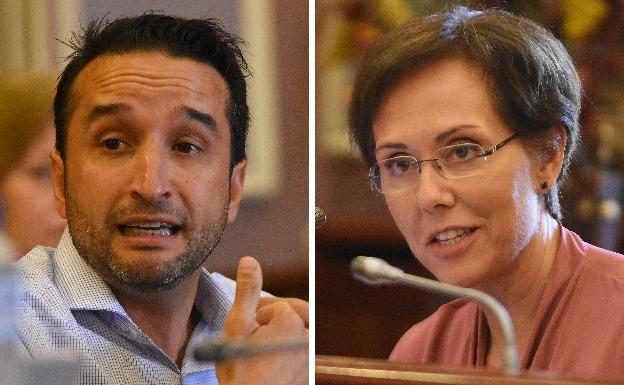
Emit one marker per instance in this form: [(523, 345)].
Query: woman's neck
[(521, 290)]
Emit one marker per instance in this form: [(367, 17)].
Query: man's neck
[(165, 317)]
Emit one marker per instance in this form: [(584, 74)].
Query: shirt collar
[(80, 285), (212, 300), (84, 289)]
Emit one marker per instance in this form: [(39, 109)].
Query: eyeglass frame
[(489, 151)]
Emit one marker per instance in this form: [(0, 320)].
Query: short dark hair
[(533, 81), (204, 41)]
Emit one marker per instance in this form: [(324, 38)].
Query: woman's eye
[(186, 148), (399, 166), (461, 153), (112, 144)]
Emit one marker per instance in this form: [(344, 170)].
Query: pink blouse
[(578, 330)]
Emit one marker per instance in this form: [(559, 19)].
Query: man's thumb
[(242, 317)]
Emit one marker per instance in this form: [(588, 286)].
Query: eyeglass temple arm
[(498, 145)]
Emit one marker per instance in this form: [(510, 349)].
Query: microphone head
[(217, 350), (319, 217), (212, 351), (374, 271)]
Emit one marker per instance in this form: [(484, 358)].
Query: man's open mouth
[(162, 229)]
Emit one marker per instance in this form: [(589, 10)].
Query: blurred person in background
[(468, 121), (28, 216)]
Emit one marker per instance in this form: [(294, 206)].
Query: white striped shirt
[(65, 305)]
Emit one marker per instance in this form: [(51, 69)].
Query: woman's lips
[(450, 237), (450, 233), (452, 243)]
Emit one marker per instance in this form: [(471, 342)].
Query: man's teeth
[(149, 229), (451, 236)]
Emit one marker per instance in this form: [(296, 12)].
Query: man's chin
[(135, 250), (150, 270), (147, 280)]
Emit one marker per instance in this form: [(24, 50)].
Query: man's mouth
[(162, 229), (450, 237)]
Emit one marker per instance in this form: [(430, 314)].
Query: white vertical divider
[(67, 13), (40, 40), (264, 150), (12, 44)]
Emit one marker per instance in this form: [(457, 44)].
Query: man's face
[(146, 184)]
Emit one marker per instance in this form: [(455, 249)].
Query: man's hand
[(257, 320)]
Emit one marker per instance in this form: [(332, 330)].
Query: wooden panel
[(353, 318)]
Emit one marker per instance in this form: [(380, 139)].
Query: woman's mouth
[(450, 237)]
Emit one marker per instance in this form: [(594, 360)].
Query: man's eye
[(112, 144), (187, 148)]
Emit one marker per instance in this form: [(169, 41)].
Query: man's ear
[(58, 182), (552, 157), (237, 180)]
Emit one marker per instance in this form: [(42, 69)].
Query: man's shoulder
[(42, 313), (35, 270)]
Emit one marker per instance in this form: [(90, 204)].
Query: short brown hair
[(534, 84)]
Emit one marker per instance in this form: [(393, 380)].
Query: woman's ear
[(551, 158)]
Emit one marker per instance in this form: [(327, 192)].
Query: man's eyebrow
[(106, 109), (205, 119)]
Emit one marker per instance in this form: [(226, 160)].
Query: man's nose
[(432, 189), (152, 173)]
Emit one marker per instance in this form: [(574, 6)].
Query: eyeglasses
[(457, 161)]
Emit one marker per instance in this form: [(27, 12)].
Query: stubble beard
[(95, 246)]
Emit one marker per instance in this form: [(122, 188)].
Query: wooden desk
[(334, 370)]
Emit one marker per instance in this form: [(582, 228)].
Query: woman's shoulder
[(582, 274), (591, 259), (451, 326)]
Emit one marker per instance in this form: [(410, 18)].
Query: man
[(151, 120)]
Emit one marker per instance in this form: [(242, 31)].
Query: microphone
[(319, 217), (218, 350), (376, 271)]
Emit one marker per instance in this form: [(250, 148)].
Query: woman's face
[(30, 217), (485, 220)]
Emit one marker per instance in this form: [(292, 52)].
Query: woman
[(468, 121), (27, 214)]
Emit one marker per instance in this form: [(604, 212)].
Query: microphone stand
[(375, 271)]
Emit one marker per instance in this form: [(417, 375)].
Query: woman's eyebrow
[(443, 136), (395, 146)]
